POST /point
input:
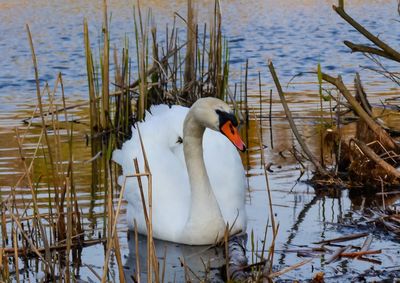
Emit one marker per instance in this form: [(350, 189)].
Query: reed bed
[(51, 238)]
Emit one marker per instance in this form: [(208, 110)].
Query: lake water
[(296, 35)]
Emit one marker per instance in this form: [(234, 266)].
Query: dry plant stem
[(39, 98), (270, 120), (303, 145), (69, 229), (105, 70), (113, 234), (343, 239), (367, 243), (379, 43), (227, 255), (137, 251), (337, 254), (152, 257), (119, 260), (27, 238), (38, 219), (271, 210), (94, 120), (374, 157), (361, 253), (290, 268), (381, 134), (14, 233)]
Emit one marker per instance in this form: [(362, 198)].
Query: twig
[(368, 49), (337, 254), (361, 253), (290, 268), (343, 239)]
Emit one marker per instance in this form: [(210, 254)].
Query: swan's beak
[(232, 133)]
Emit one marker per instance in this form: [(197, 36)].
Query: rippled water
[(297, 35)]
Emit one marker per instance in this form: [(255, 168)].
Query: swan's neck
[(205, 214)]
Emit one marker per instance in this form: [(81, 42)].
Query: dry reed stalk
[(27, 238), (137, 252), (260, 118), (271, 211), (361, 253), (190, 59), (270, 120), (105, 71), (113, 225), (4, 234), (16, 263), (164, 265), (227, 256), (187, 270), (119, 260), (94, 120), (3, 266), (40, 104), (69, 229), (141, 42), (290, 268), (343, 239), (37, 220), (150, 242)]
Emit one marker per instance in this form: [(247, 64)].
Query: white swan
[(189, 205)]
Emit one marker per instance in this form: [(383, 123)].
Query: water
[(297, 35)]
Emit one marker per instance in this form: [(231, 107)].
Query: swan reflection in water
[(201, 261)]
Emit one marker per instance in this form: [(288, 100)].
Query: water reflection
[(182, 263)]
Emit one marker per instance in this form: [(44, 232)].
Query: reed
[(179, 72)]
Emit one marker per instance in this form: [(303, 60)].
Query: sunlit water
[(297, 35)]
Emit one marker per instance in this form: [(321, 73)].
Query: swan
[(198, 180)]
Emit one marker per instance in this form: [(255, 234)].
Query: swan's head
[(215, 114)]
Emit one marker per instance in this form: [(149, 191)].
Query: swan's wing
[(160, 133)]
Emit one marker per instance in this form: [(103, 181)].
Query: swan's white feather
[(171, 190)]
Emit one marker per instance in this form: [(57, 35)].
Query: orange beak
[(232, 134)]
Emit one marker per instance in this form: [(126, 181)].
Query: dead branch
[(303, 145), (384, 48), (368, 49), (381, 135)]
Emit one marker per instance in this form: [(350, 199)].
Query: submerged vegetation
[(122, 87)]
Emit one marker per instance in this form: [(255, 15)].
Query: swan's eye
[(225, 117)]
